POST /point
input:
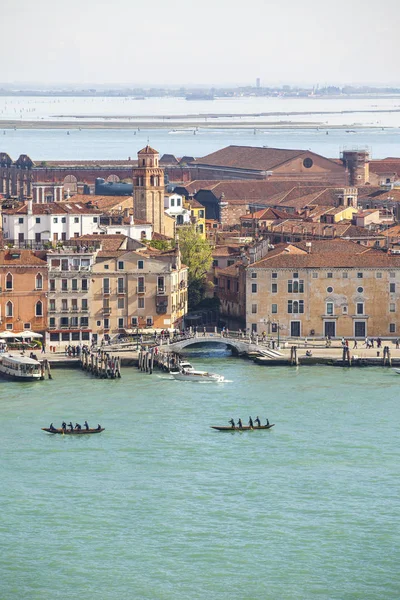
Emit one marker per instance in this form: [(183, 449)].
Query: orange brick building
[(23, 291)]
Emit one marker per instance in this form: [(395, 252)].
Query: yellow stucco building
[(137, 289), (324, 288)]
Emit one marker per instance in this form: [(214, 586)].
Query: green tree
[(197, 255)]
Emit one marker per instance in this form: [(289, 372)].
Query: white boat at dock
[(186, 372), (21, 368)]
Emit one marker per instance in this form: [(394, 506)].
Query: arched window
[(39, 309), (9, 309), (295, 287), (113, 178), (9, 281), (295, 307), (39, 281)]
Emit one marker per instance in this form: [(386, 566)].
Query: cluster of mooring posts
[(101, 364), (349, 360), (150, 357), (45, 370)]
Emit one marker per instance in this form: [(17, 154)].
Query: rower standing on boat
[(232, 422), (78, 427), (267, 421), (63, 426), (70, 426), (240, 424), (98, 427), (251, 422), (86, 425), (52, 428), (257, 420)]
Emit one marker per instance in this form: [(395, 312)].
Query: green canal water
[(160, 506)]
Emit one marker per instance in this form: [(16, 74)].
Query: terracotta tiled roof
[(148, 150), (20, 257), (385, 166), (269, 214), (55, 208), (249, 157), (321, 230), (108, 242), (85, 163), (226, 251), (262, 191), (193, 203), (382, 195), (327, 254), (231, 271), (104, 203), (199, 184)]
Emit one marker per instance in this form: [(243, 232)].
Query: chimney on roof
[(29, 203), (131, 220), (126, 212), (308, 246)]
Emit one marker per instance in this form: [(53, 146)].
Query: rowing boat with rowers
[(73, 431), (244, 428)]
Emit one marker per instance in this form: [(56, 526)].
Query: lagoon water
[(119, 144), (352, 122), (162, 507)]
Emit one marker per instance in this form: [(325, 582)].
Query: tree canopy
[(196, 252), (197, 256)]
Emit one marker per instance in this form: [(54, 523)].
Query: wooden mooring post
[(101, 365), (387, 359), (346, 358), (293, 356)]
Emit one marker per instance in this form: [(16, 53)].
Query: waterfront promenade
[(263, 352)]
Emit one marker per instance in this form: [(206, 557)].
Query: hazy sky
[(204, 42)]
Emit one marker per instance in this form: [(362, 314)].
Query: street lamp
[(278, 328)]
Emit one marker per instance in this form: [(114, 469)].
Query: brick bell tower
[(148, 185)]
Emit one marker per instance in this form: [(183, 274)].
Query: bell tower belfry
[(148, 185)]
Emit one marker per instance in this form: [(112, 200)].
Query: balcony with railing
[(141, 289), (106, 310)]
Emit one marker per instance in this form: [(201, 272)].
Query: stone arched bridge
[(238, 345)]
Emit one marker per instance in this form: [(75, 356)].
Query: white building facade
[(173, 206), (58, 221)]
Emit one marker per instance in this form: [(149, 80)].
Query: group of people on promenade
[(78, 426), (368, 343), (74, 350), (251, 423)]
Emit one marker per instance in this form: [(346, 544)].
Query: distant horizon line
[(183, 86)]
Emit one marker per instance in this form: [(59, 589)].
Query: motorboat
[(21, 368), (397, 371), (186, 372)]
